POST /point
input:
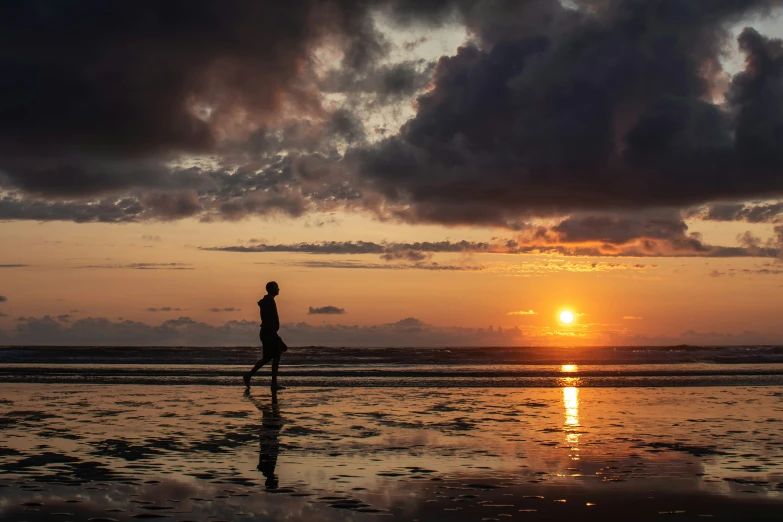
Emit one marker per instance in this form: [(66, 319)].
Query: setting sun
[(566, 317)]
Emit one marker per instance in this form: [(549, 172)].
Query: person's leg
[(275, 365), (259, 364), (257, 367)]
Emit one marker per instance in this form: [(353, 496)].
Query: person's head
[(272, 288)]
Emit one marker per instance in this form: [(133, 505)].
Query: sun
[(566, 317)]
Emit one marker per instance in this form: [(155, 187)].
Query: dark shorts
[(272, 345)]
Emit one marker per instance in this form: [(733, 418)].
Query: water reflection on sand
[(192, 452)]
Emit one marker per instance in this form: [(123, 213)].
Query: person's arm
[(275, 317)]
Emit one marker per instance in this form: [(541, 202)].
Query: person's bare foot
[(246, 378)]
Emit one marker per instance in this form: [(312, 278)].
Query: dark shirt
[(270, 322)]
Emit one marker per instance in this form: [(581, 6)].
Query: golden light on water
[(566, 317), (569, 368), (571, 406)]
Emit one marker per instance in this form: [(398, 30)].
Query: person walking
[(271, 344)]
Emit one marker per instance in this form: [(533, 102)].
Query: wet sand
[(129, 452)]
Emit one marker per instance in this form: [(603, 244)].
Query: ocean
[(522, 367), (120, 433)]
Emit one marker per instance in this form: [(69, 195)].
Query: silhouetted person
[(268, 439), (271, 343)]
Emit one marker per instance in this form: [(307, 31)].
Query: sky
[(443, 173)]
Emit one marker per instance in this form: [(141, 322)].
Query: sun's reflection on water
[(571, 406), (569, 382)]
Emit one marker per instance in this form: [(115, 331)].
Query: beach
[(436, 260), (209, 452)]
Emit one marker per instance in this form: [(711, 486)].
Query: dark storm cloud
[(133, 73), (549, 111), (75, 176), (618, 230), (287, 185), (388, 82), (645, 234), (260, 203), (769, 213), (598, 109), (122, 210), (172, 206), (325, 310), (346, 124), (652, 234), (99, 97)]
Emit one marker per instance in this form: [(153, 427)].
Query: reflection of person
[(271, 343), (268, 438)]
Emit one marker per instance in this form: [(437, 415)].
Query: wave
[(425, 376), (323, 356), (424, 367)]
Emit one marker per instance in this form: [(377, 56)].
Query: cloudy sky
[(445, 172)]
